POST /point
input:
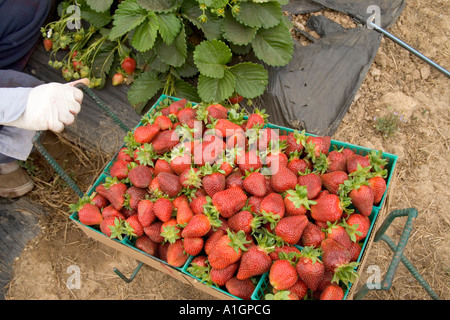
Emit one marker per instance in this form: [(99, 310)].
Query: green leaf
[(175, 53), (160, 5), (214, 3), (97, 19), (145, 34), (251, 79), (144, 88), (188, 69), (214, 89), (186, 90), (274, 46), (103, 60), (169, 26), (99, 5), (212, 28), (127, 16), (260, 15), (211, 57), (236, 32)]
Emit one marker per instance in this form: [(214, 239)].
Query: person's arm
[(49, 106)]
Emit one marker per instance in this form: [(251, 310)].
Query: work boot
[(14, 180)]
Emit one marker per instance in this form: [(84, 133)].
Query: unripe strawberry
[(117, 79)]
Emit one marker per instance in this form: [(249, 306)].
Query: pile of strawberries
[(244, 199)]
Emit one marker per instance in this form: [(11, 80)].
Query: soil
[(397, 82)]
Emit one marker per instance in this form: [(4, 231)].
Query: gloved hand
[(51, 106)]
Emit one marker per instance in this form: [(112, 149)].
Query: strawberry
[(297, 202), (213, 179), (235, 179), (225, 128), (48, 44), (163, 122), (358, 226), (249, 162), (256, 260), (229, 201), (283, 179), (254, 204), (124, 154), (170, 231), (198, 226), (140, 176), (245, 221), (197, 204), (128, 65), (162, 165), (147, 245), (216, 111), (228, 249), (355, 251), (180, 160), (186, 115), (312, 236), (290, 229), (199, 267), (362, 198), (257, 118), (146, 133), (145, 155), (191, 178), (117, 79), (119, 169), (300, 289), (240, 288), (146, 215), (315, 146), (210, 242), (112, 227), (176, 106), (378, 185), (193, 245), (165, 141), (332, 292), (332, 180), (310, 268), (355, 159), (275, 255), (312, 182), (113, 190), (169, 184), (255, 184), (272, 207), (184, 213), (296, 165), (153, 231), (162, 250), (221, 276), (295, 142), (339, 234), (133, 196), (337, 259), (236, 98), (176, 256), (100, 201), (327, 208), (163, 209), (282, 274), (336, 161), (110, 211), (133, 226)]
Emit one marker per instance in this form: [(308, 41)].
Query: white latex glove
[(51, 106)]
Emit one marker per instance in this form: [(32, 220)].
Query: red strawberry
[(332, 180), (312, 236), (225, 128), (257, 118), (283, 179), (217, 111), (48, 44), (272, 207), (180, 161), (191, 178), (162, 165), (176, 106), (339, 234), (193, 245), (145, 213), (140, 176), (169, 184), (112, 227), (275, 255), (299, 289), (290, 229), (186, 115), (114, 191), (359, 224), (256, 260), (355, 159), (213, 181), (119, 169), (255, 184), (163, 209), (378, 185), (124, 154), (146, 133), (297, 202), (170, 230), (235, 179), (249, 162), (355, 251), (228, 249), (297, 165), (197, 204), (221, 276), (245, 221), (240, 288), (310, 268), (184, 213), (165, 141), (100, 201), (147, 245), (133, 196), (282, 274), (110, 211), (254, 204), (128, 65), (229, 201), (198, 226), (236, 98), (332, 292), (117, 79), (176, 256), (315, 146), (295, 142), (312, 182), (336, 161), (153, 231), (327, 208), (362, 199), (163, 122), (210, 242), (136, 229)]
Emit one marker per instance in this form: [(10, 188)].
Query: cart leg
[(126, 279)]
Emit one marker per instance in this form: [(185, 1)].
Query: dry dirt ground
[(397, 82)]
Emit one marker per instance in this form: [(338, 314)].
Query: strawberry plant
[(195, 49)]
